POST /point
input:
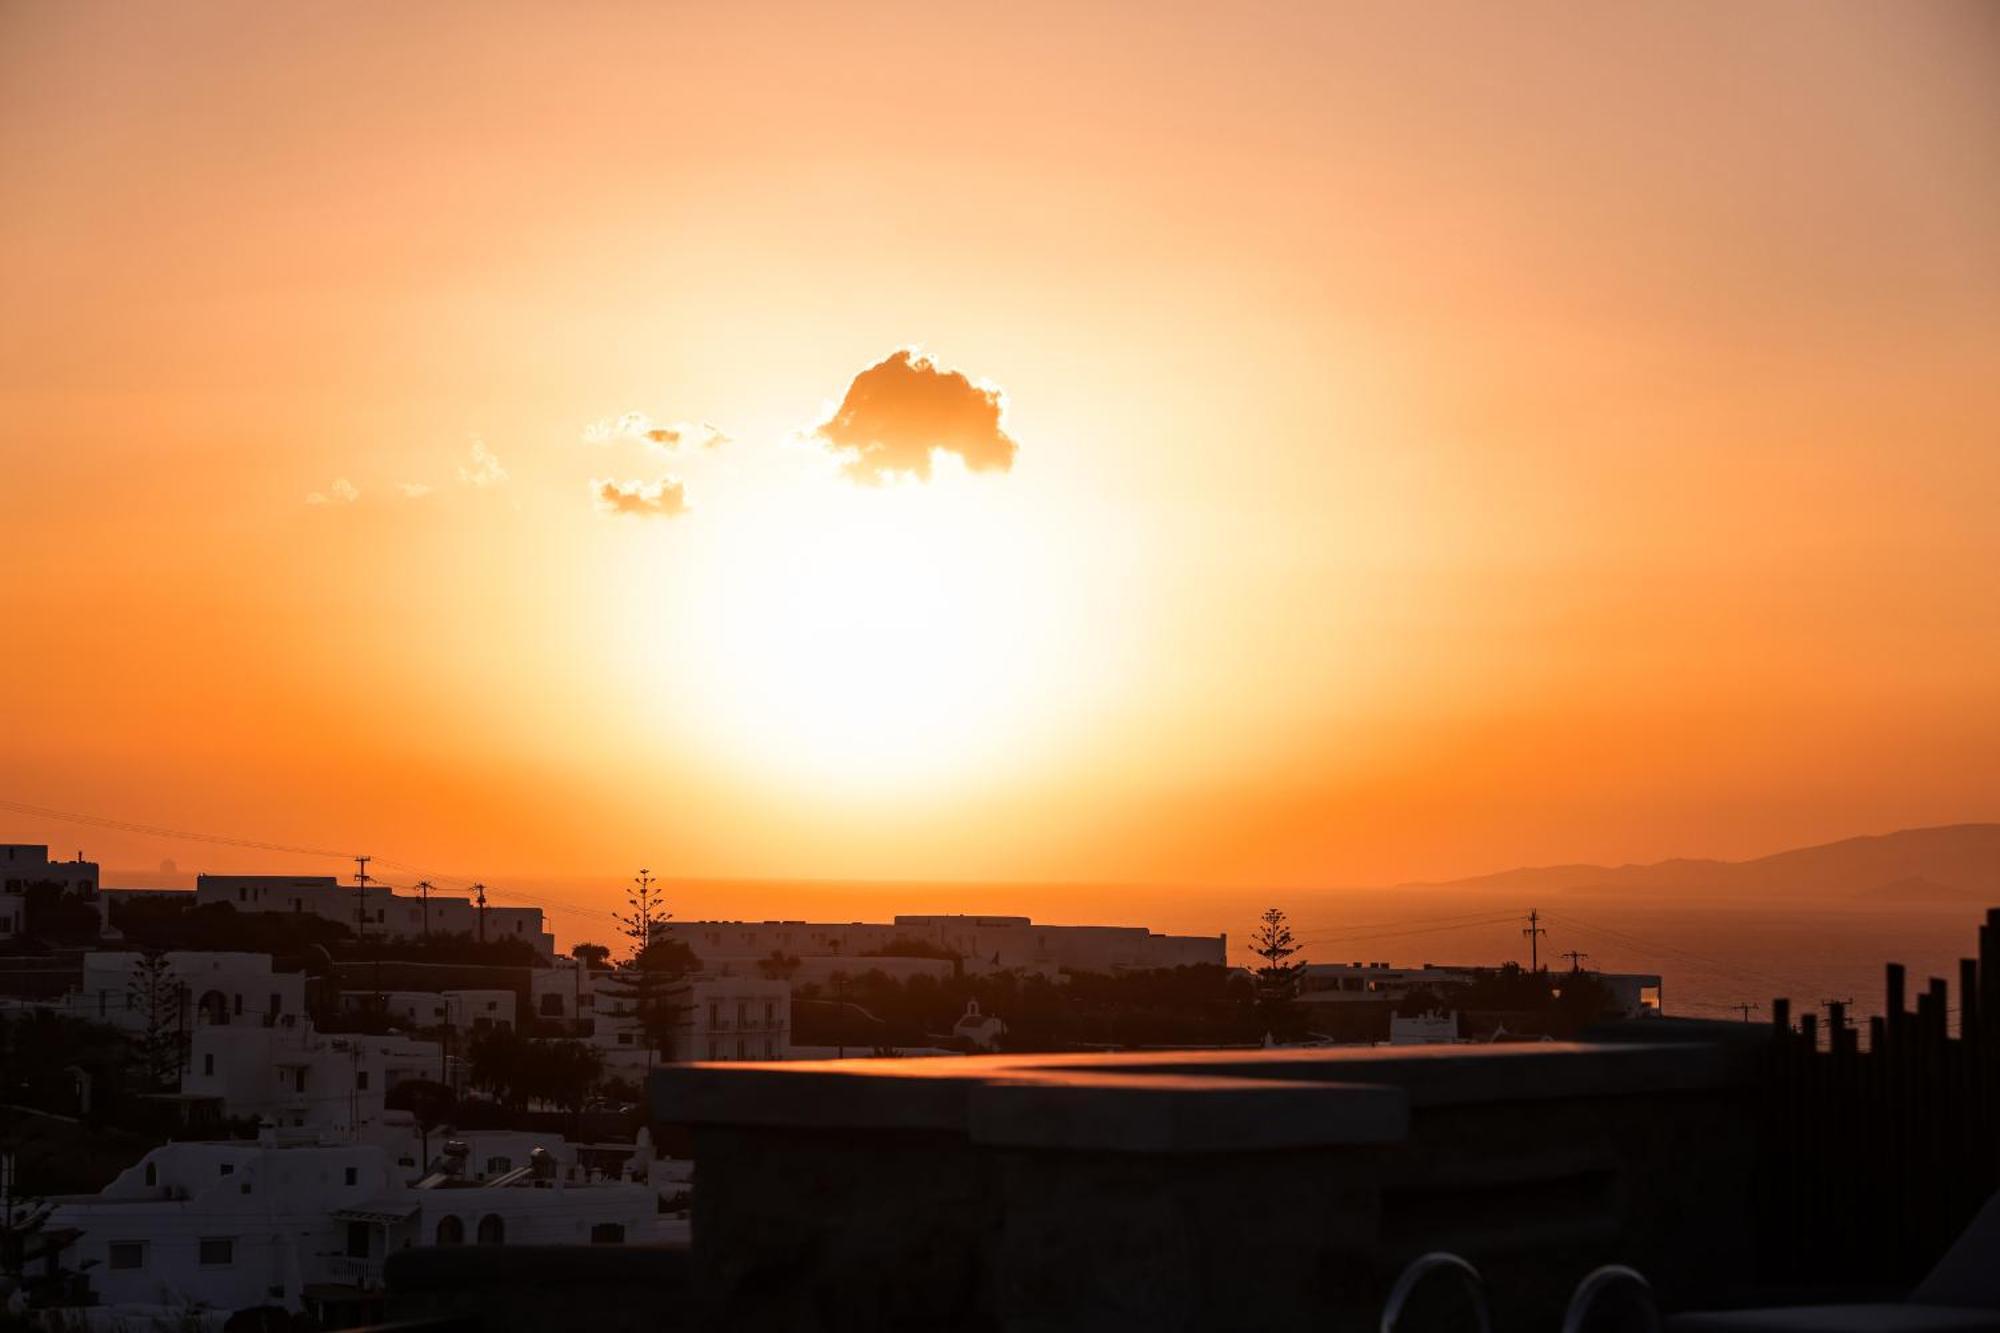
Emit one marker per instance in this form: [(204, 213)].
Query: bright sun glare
[(868, 639)]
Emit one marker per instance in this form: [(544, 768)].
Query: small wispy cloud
[(485, 470), (665, 498), (413, 490), (667, 435), (341, 492)]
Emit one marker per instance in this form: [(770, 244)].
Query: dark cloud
[(899, 412), (666, 498)]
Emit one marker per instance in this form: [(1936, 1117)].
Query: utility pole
[(1576, 957), (1745, 1009), (424, 896), (479, 902), (1534, 931), (361, 894)]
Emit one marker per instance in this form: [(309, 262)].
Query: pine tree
[(651, 985), (648, 916), (1278, 977), (160, 998)]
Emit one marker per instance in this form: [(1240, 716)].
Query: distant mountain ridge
[(1950, 863)]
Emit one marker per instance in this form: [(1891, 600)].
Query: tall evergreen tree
[(161, 999), (1278, 976), (651, 985)]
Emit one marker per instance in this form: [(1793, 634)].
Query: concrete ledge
[(939, 1093), (1146, 1113)]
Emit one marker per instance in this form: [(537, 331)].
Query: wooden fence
[(1878, 1151)]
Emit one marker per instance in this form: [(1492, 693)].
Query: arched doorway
[(213, 1007), (450, 1231), (492, 1231)]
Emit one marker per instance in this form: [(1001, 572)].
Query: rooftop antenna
[(1576, 957), (361, 894), (1534, 931), (1745, 1009)]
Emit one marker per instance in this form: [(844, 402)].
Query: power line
[(291, 849), (1714, 964), (163, 831)]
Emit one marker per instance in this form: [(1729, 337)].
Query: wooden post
[(1989, 974), (1968, 1002)]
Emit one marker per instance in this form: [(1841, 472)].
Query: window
[(770, 1012), (742, 1012), (128, 1254), (229, 1168), (361, 1080), (714, 1014), (237, 1006), (492, 1231), (208, 1063), (450, 1231), (353, 1175), (552, 1005), (742, 1053), (499, 1165), (218, 1251), (608, 1233), (152, 1173), (624, 1039), (770, 1049), (299, 1081), (357, 1239)]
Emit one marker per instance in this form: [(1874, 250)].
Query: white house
[(25, 866), (1634, 994), (985, 943), (214, 988), (464, 1010), (294, 1076), (378, 910), (722, 1017), (307, 1227)]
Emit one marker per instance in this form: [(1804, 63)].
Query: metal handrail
[(1604, 1281), (1423, 1266)]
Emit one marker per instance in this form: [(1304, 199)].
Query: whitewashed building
[(463, 1010), (294, 1076), (722, 1017), (308, 1227), (380, 910), (25, 866), (984, 943), (1634, 994), (215, 988)]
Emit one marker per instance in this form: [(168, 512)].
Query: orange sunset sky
[(1374, 442)]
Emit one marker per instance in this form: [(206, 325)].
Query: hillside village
[(248, 1094)]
